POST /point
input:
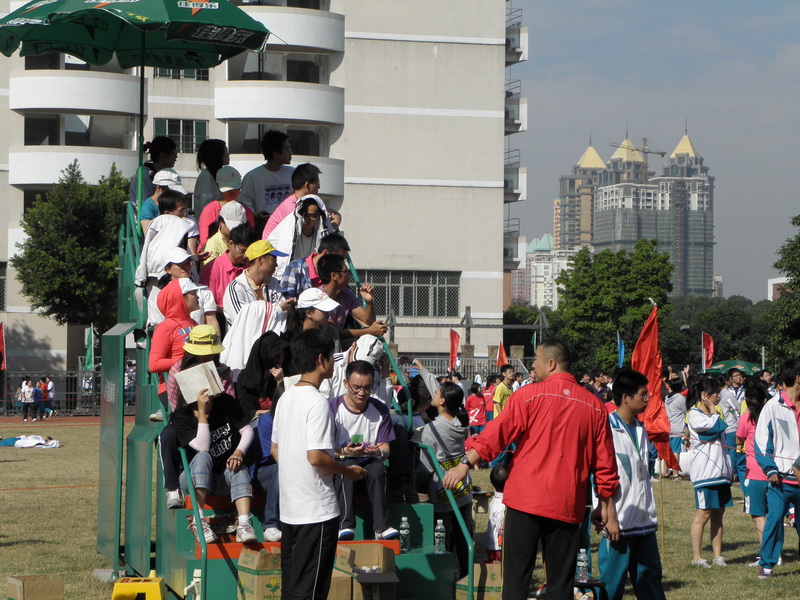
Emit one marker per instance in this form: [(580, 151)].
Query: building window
[(196, 74), (3, 268), (415, 293), (185, 133)]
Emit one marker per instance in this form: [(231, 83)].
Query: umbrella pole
[(140, 170)]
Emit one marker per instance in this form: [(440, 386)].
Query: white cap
[(169, 178), (316, 298), (233, 214), (368, 348), (177, 256), (187, 286), (228, 179)]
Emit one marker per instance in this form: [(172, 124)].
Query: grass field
[(48, 527)]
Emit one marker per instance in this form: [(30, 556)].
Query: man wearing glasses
[(363, 432)]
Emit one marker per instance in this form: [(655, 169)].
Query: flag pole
[(702, 352)]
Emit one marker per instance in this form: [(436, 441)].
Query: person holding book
[(215, 435)]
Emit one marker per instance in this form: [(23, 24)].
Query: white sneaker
[(25, 420), (780, 561), (245, 533), (755, 562), (35, 419), (208, 533), (157, 417), (719, 562), (175, 498), (272, 534), (701, 562), (389, 533)]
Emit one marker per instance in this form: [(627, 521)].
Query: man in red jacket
[(562, 437)]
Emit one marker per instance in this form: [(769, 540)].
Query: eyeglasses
[(644, 396), (359, 389), (313, 215)]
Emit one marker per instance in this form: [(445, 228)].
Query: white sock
[(202, 514), (244, 519)]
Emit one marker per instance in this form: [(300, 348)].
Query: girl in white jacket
[(711, 471)]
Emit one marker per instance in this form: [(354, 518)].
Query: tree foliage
[(523, 314), (67, 264), (784, 318), (739, 329), (607, 292)]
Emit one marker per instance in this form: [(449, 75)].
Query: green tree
[(67, 264), (610, 291), (524, 314), (784, 317)]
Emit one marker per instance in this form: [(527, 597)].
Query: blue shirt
[(149, 210)]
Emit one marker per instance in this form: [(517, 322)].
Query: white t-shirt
[(166, 232), (303, 422), (263, 190), (207, 305)]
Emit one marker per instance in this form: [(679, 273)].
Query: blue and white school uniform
[(636, 552), (711, 470)]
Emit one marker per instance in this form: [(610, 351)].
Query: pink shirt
[(747, 431), (218, 274), (210, 215), (284, 209)]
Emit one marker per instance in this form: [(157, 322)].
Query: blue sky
[(732, 68)]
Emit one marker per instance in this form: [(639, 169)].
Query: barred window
[(3, 268), (197, 74), (415, 293), (185, 133)]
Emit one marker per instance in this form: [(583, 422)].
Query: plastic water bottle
[(405, 535), (438, 537), (583, 566)]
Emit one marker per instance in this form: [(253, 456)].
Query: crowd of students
[(259, 287)]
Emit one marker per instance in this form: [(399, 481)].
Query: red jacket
[(166, 347), (563, 436)]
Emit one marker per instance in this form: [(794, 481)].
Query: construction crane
[(644, 151)]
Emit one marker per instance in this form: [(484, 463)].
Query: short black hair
[(329, 264), (334, 243), (675, 386), (307, 346), (627, 382), (272, 142), (556, 350), (359, 367), (505, 368), (169, 199), (499, 475), (303, 174), (243, 235), (790, 371)]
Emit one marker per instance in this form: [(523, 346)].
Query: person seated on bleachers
[(363, 433)]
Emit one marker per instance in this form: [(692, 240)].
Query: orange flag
[(647, 360), (502, 359)]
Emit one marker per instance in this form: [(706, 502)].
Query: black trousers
[(307, 555), (170, 458), (375, 482), (521, 536)]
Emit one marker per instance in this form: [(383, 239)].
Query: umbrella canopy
[(174, 34), (723, 366)]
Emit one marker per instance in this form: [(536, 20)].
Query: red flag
[(502, 359), (454, 341), (708, 349), (3, 346), (647, 360)]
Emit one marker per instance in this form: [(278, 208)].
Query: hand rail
[(198, 525), (451, 499)]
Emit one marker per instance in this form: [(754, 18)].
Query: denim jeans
[(236, 483), (267, 480)]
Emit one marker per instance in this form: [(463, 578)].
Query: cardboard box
[(35, 587), (372, 572), (487, 580), (259, 574)]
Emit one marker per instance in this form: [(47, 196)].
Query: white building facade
[(404, 109)]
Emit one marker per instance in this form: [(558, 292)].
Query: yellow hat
[(203, 340), (260, 248)]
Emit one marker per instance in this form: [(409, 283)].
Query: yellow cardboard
[(259, 574)]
